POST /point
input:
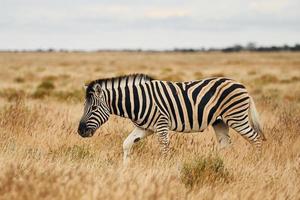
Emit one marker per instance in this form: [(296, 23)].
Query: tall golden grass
[(42, 156)]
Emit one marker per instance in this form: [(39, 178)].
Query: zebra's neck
[(128, 96)]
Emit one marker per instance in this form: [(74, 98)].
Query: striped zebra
[(159, 106)]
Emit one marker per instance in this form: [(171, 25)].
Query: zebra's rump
[(192, 106)]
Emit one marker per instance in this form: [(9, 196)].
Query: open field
[(43, 157)]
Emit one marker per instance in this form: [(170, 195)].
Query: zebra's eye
[(94, 107)]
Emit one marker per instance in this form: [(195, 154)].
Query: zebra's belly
[(179, 129), (188, 129)]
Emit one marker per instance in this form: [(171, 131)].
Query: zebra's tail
[(254, 119)]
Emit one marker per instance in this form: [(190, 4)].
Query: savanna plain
[(43, 157)]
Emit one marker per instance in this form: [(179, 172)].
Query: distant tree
[(50, 50), (234, 48), (296, 47), (251, 46)]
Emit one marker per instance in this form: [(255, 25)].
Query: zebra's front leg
[(162, 128), (136, 135)]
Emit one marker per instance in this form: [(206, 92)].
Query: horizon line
[(251, 46)]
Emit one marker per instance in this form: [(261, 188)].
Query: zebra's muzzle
[(83, 131)]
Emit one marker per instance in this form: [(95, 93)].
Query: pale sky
[(147, 24)]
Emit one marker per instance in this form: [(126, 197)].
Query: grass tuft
[(19, 118), (76, 152), (204, 170)]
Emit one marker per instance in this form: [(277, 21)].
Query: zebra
[(156, 106)]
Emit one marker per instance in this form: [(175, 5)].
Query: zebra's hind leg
[(136, 135), (244, 128), (221, 131)]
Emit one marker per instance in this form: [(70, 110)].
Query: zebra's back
[(192, 106)]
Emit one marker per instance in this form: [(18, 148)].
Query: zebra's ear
[(84, 87), (97, 89)]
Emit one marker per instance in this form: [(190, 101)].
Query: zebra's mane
[(130, 79)]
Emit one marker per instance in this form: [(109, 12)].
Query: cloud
[(166, 13), (83, 23), (269, 6)]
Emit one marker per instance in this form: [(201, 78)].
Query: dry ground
[(42, 156)]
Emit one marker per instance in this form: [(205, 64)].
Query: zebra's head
[(96, 111)]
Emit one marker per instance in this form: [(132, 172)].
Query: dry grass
[(42, 157)]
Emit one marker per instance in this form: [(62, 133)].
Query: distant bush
[(218, 74), (198, 75), (204, 170), (267, 79), (291, 80), (49, 78), (12, 94), (176, 77), (19, 80), (166, 69), (76, 95), (295, 78), (43, 89), (252, 72), (40, 94), (46, 85), (46, 89)]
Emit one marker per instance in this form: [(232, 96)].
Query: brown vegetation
[(42, 156)]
